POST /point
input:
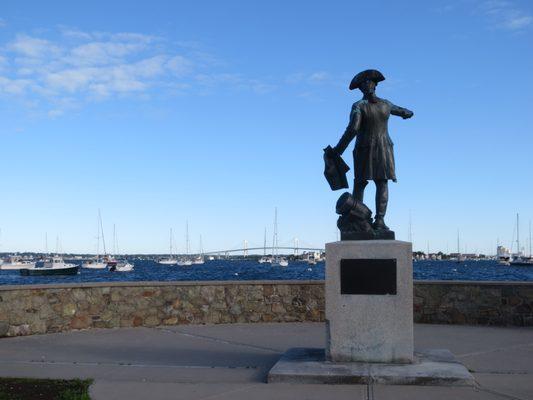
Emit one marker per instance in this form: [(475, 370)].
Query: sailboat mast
[(187, 237), (517, 234), (170, 239), (529, 238), (275, 245), (97, 239), (114, 241), (265, 243), (201, 247), (102, 230)]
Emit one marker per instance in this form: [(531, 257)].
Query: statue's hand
[(408, 114)]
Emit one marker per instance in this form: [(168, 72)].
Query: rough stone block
[(369, 327)]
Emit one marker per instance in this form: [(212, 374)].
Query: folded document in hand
[(335, 169)]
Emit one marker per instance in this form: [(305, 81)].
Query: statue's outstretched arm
[(351, 130), (401, 112)]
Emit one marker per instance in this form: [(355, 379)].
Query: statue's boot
[(382, 198)]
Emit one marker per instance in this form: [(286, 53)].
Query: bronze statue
[(373, 156)]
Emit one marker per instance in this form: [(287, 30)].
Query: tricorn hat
[(367, 75)]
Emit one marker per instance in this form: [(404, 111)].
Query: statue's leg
[(382, 198), (359, 189)]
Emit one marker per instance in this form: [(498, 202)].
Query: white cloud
[(506, 15), (31, 47), (320, 76), (313, 77), (13, 86), (62, 74)]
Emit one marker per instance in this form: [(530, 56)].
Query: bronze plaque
[(368, 276)]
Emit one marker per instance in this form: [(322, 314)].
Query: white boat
[(503, 255), (55, 266), (169, 260), (198, 260), (97, 262), (184, 262), (283, 262), (16, 262), (114, 264), (311, 261), (122, 266)]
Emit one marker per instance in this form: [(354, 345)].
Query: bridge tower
[(296, 243), (245, 248)]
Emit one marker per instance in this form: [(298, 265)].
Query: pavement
[(201, 362)]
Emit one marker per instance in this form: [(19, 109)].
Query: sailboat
[(97, 262), (265, 259), (121, 265), (199, 259), (186, 261), (276, 260), (169, 260), (519, 258), (460, 258)]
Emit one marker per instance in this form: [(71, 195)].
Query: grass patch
[(44, 389)]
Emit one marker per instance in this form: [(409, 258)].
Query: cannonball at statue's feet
[(379, 224)]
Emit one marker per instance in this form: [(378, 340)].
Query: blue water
[(218, 270)]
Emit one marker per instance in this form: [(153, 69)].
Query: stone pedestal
[(369, 312), (369, 301)]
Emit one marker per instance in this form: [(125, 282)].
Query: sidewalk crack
[(222, 341)]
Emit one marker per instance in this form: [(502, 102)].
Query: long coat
[(373, 153)]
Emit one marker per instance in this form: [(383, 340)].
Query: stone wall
[(26, 310), (30, 309), (474, 303)]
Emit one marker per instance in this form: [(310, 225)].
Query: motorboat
[(198, 260), (16, 262), (281, 261), (95, 263), (503, 255), (185, 262), (54, 266), (122, 266), (167, 261)]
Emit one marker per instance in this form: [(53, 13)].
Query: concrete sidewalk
[(232, 361)]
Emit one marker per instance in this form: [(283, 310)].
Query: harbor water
[(223, 270)]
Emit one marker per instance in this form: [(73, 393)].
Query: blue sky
[(217, 112)]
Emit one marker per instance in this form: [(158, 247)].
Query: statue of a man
[(373, 153)]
